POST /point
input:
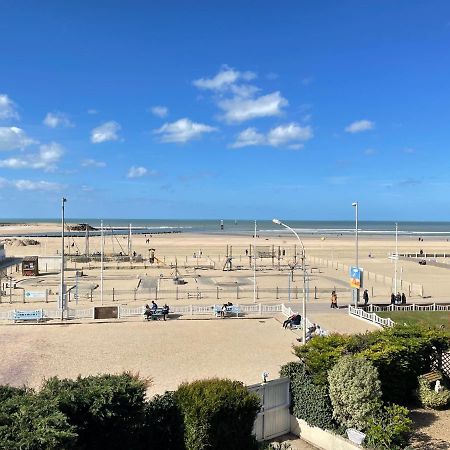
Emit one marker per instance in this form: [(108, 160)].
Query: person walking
[(333, 300), (366, 297)]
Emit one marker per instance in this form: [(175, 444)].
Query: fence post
[(277, 294), (372, 292), (237, 292), (257, 292), (217, 292), (46, 297), (91, 297), (135, 291), (315, 292), (156, 292), (113, 294), (176, 292), (23, 293)]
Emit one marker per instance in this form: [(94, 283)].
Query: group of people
[(399, 299), (295, 319), (223, 311), (151, 310)]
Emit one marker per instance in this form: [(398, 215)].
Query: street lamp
[(61, 288), (356, 291), (279, 222)]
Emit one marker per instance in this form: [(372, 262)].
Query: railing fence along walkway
[(258, 309), (412, 288), (370, 316)]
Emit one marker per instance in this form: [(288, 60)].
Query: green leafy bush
[(354, 391), (308, 401), (405, 351), (28, 421), (218, 414), (429, 398), (107, 411), (389, 429), (163, 424)]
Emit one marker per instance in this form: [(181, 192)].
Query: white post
[(254, 265), (356, 291), (101, 263)]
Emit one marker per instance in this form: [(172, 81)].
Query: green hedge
[(106, 411), (218, 415), (163, 427), (308, 401), (30, 421), (406, 352)]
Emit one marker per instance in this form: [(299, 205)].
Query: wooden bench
[(432, 377), (36, 315)]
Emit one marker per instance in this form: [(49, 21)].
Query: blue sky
[(238, 109)]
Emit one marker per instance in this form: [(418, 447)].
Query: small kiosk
[(30, 266)]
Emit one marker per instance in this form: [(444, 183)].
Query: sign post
[(356, 282)]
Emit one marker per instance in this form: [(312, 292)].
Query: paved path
[(334, 320)]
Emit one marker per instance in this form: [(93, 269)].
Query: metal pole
[(101, 264), (61, 288), (278, 222), (254, 265), (356, 291), (396, 258)]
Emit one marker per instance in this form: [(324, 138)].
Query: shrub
[(308, 401), (429, 398), (218, 414), (28, 421), (389, 429), (405, 351), (163, 424), (354, 391), (107, 411)]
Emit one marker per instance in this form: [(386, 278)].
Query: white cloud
[(46, 159), (359, 126), (92, 163), (12, 138), (183, 130), (226, 77), (29, 185), (248, 137), (107, 131), (92, 111), (238, 109), (57, 119), (290, 132), (7, 108), (370, 151), (290, 135), (136, 172), (159, 111)]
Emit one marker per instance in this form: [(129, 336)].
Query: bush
[(163, 424), (405, 351), (429, 398), (107, 411), (308, 401), (389, 429), (28, 421), (354, 391), (218, 414)]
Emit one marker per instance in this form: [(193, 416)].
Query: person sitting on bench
[(295, 319), (165, 311), (148, 312), (154, 306)]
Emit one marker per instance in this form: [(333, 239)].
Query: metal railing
[(370, 317)]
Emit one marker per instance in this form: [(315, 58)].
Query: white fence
[(274, 417), (370, 316), (414, 307)]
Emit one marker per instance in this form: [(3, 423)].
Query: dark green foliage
[(29, 421), (309, 401), (163, 424), (389, 429), (400, 354), (107, 411), (218, 414)]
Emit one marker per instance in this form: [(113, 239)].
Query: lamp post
[(356, 290), (278, 222), (396, 258), (254, 266), (61, 288)]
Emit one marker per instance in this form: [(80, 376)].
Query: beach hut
[(30, 267)]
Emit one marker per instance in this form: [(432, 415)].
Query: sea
[(246, 227)]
